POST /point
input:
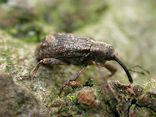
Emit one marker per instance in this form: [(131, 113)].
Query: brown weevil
[(66, 48)]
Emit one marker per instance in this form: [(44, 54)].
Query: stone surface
[(16, 101)]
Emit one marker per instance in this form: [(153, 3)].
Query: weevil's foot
[(61, 90), (129, 88), (35, 69), (31, 75), (23, 77), (72, 84)]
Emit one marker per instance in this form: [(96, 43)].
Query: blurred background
[(129, 25)]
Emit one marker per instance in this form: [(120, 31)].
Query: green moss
[(72, 98)]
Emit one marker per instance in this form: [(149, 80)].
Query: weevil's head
[(102, 52), (109, 52)]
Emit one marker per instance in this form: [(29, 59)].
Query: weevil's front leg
[(47, 61), (110, 68)]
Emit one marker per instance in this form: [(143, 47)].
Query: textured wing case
[(64, 46), (68, 45)]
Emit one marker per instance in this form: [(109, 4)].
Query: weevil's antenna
[(143, 72), (125, 68)]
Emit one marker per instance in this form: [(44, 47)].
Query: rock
[(16, 101), (87, 97), (125, 103)]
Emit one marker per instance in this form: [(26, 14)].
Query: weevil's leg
[(47, 61), (76, 75), (35, 69), (110, 68), (52, 61), (72, 78)]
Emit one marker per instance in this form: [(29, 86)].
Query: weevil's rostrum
[(65, 48)]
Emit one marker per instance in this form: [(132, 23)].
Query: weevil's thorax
[(101, 52)]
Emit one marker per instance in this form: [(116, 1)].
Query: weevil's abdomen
[(65, 46), (43, 49)]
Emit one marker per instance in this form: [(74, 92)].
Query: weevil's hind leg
[(47, 61), (72, 78)]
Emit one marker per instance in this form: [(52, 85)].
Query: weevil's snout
[(124, 67), (113, 55)]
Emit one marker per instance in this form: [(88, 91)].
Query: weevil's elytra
[(65, 48)]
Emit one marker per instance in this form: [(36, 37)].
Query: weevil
[(66, 48)]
